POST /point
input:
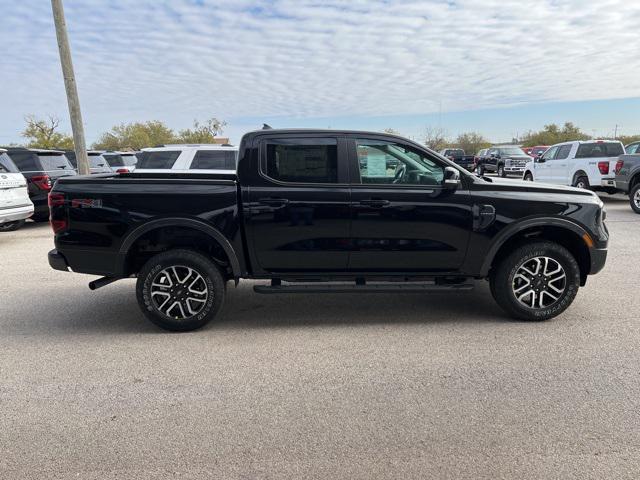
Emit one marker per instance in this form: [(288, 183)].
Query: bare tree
[(43, 133), (435, 138)]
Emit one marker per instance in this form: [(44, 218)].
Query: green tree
[(552, 134), (202, 133), (627, 139), (471, 142), (42, 133), (136, 135)]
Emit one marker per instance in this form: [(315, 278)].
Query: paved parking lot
[(325, 386)]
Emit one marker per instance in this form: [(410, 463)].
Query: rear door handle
[(273, 202), (375, 202)]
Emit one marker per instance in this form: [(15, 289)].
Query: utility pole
[(71, 88), (615, 133)]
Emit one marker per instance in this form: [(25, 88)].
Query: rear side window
[(595, 150), (214, 160), (54, 161), (26, 161), (7, 165), (303, 160), (161, 159), (563, 152)]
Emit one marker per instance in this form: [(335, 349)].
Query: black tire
[(480, 170), (11, 226), (634, 198), (182, 260), (501, 172), (503, 281), (582, 182), (40, 217), (528, 177)]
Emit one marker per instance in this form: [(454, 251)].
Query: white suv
[(15, 205), (188, 158), (585, 164)]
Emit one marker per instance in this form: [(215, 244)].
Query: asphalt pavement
[(320, 386)]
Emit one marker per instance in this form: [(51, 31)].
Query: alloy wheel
[(179, 292), (636, 199), (539, 282)]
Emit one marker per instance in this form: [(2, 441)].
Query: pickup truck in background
[(459, 157), (503, 160), (323, 211), (628, 174)]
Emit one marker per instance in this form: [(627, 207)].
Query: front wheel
[(180, 290), (634, 198), (11, 226), (501, 172), (536, 281), (528, 177)]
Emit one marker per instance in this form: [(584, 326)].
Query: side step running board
[(367, 288)]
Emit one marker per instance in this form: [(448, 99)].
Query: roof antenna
[(266, 127)]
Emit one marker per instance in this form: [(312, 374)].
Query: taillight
[(58, 225), (56, 199), (43, 182), (619, 165), (603, 167), (122, 170)]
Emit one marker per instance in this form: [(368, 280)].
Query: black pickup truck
[(459, 157), (325, 211)]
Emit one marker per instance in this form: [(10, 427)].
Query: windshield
[(511, 151), (54, 161), (162, 159), (6, 164)]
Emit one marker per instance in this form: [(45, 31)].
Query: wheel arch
[(579, 173), (159, 225), (562, 231)]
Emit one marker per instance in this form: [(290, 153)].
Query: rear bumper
[(17, 213), (608, 182), (57, 261)]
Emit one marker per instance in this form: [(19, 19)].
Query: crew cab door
[(544, 166), (403, 218), (559, 165), (299, 205)]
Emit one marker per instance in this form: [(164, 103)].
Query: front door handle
[(273, 202), (375, 203)]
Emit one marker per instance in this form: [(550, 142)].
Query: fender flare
[(214, 233), (578, 174), (512, 230)]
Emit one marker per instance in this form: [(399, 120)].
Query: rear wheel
[(582, 182), (634, 198), (536, 281), (480, 170), (180, 290), (11, 226)]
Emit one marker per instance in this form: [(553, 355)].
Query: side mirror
[(539, 159), (451, 178)]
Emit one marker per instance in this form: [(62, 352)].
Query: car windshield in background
[(114, 159), (54, 161), (129, 160), (599, 149), (160, 160), (6, 164), (511, 151)]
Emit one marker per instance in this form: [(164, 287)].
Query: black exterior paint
[(348, 229)]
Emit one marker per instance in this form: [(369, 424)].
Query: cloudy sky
[(496, 66)]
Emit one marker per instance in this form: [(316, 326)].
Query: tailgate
[(13, 190)]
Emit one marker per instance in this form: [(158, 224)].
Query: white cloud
[(177, 60)]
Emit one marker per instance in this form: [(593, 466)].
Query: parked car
[(458, 156), (304, 213), (41, 168), (503, 160), (97, 163), (15, 205), (186, 158), (586, 164), (121, 162), (535, 151), (628, 174)]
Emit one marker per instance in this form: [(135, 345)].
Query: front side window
[(550, 154), (382, 162), (214, 160), (302, 160), (563, 152), (160, 159)]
